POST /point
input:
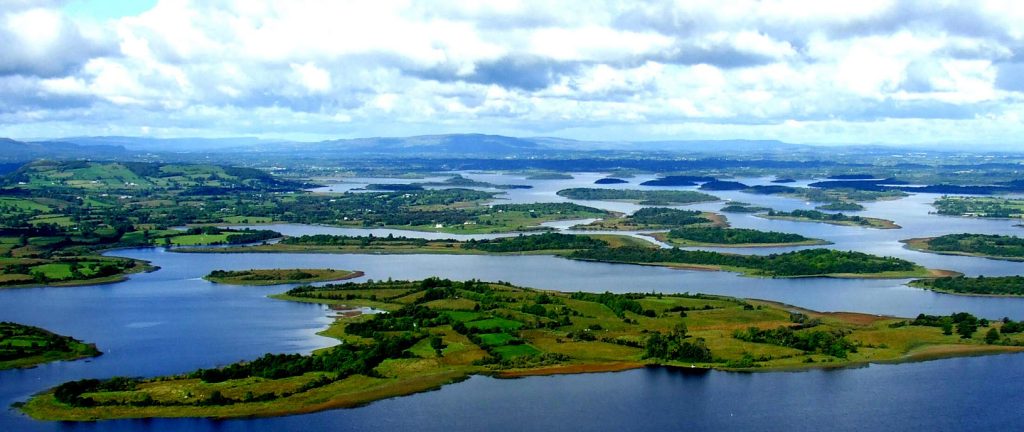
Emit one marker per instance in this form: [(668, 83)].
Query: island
[(439, 331), (678, 180), (742, 207), (992, 246), (1003, 286), (279, 276), (733, 237), (645, 197), (610, 180), (655, 218), (982, 207), (23, 346), (830, 218), (841, 206)]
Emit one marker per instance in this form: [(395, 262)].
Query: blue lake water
[(172, 321)]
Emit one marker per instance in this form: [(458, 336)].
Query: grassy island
[(279, 276), (983, 207), (733, 237), (24, 346), (991, 246), (646, 197), (1005, 286), (830, 218), (440, 331)]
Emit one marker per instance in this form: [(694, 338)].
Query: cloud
[(633, 70)]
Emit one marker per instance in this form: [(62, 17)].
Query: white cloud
[(794, 69)]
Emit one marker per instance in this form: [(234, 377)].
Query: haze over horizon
[(900, 73)]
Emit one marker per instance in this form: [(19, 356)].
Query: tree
[(947, 328), (679, 330), (992, 336)]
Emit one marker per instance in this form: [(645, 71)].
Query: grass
[(520, 343)]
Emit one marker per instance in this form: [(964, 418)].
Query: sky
[(826, 72)]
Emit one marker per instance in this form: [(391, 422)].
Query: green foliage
[(546, 241), (987, 207), (992, 245), (820, 216), (831, 343), (673, 347), (1003, 285), (618, 303), (807, 262), (662, 216), (734, 236)]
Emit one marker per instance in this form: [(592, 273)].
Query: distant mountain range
[(427, 146), (451, 145)]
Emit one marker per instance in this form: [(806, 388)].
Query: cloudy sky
[(802, 71)]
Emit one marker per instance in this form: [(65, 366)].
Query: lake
[(172, 321)]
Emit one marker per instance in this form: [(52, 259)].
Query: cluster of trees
[(986, 244), (1002, 285), (833, 343), (734, 236), (618, 303), (661, 196), (674, 347), (965, 323), (546, 241), (808, 262)]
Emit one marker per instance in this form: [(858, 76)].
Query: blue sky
[(872, 71), (106, 9)]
